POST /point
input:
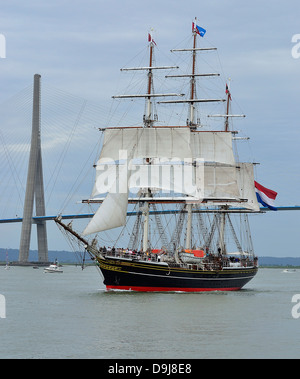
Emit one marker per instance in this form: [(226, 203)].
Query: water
[(70, 315)]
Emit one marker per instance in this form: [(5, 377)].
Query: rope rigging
[(69, 129)]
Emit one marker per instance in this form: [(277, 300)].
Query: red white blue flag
[(265, 196), (198, 30)]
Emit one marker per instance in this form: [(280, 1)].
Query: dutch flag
[(265, 196)]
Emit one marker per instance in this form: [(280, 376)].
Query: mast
[(148, 122), (189, 227), (227, 107), (191, 120), (191, 123), (222, 233), (148, 118), (146, 226), (223, 214), (227, 115)]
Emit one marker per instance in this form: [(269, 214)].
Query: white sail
[(245, 178), (176, 142), (170, 153), (212, 146), (112, 212), (220, 182), (146, 143), (208, 180), (168, 177), (106, 178), (172, 150)]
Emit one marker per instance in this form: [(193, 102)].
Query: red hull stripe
[(163, 289)]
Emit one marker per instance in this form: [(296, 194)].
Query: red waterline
[(165, 289)]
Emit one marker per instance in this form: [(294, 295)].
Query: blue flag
[(199, 30)]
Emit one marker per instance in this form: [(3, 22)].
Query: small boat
[(289, 270), (191, 256), (53, 268), (7, 267)]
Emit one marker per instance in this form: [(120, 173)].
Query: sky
[(78, 47)]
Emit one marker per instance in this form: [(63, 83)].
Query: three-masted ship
[(193, 171)]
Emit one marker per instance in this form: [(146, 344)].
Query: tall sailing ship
[(191, 172)]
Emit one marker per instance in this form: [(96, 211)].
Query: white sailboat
[(7, 266)]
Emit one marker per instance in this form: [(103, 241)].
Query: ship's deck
[(210, 262)]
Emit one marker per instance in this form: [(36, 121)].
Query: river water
[(71, 315)]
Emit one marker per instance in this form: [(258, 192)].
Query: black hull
[(127, 274)]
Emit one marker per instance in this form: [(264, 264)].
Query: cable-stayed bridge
[(62, 144), (37, 219)]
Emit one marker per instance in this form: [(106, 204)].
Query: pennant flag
[(198, 30), (265, 196), (228, 92), (150, 39)]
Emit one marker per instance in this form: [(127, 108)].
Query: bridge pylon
[(34, 185)]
